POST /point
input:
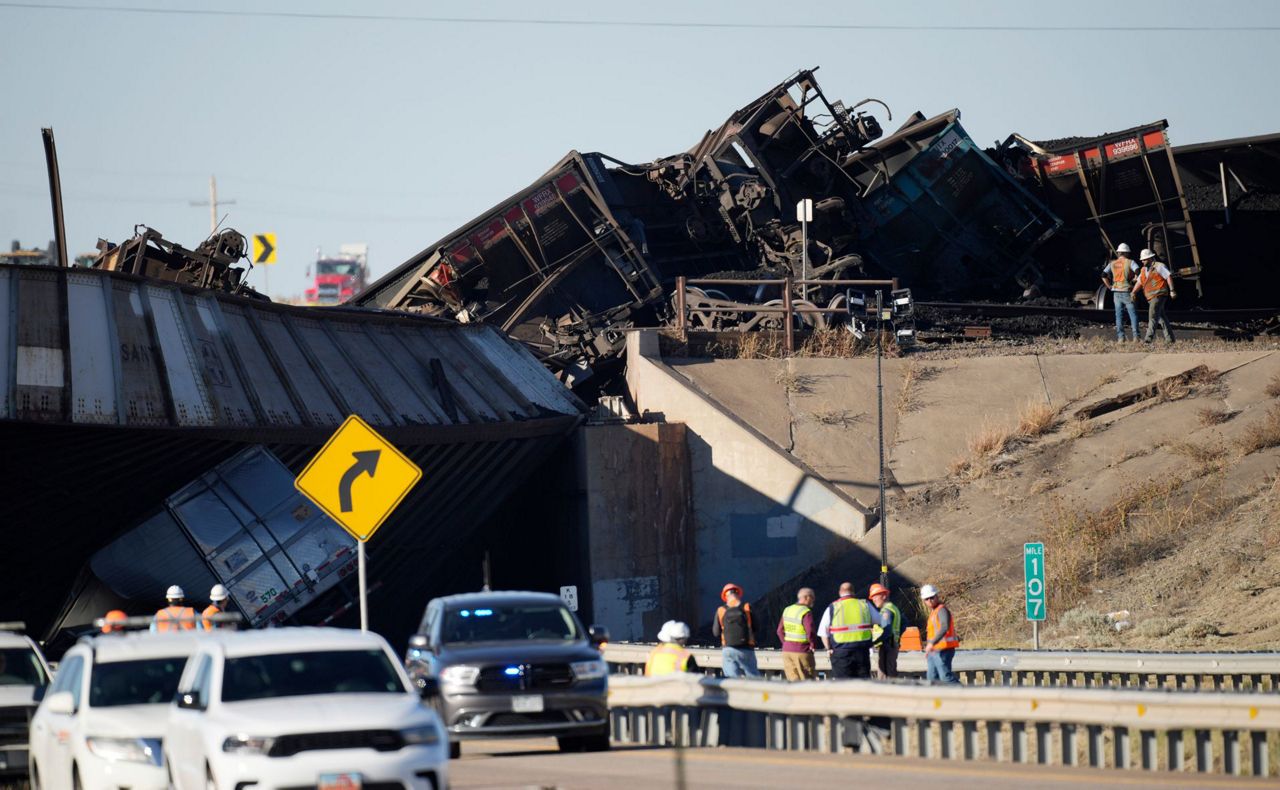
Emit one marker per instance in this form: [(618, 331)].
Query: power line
[(605, 23)]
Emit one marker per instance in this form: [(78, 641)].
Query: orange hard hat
[(877, 589), (113, 616), (724, 594)]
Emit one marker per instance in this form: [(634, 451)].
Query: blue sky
[(393, 132)]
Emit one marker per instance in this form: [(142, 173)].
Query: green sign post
[(1036, 594)]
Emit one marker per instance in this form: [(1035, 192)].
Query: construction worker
[(671, 656), (886, 632), (799, 637), (940, 638), (110, 621), (847, 625), (1119, 276), (175, 616), (217, 605), (737, 634), (1156, 282)]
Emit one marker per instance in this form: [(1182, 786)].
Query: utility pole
[(884, 536), (213, 204)]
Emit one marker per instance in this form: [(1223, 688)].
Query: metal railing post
[(682, 317), (789, 316)]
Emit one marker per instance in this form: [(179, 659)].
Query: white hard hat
[(673, 631), (174, 592), (1146, 255), (1123, 247), (928, 591), (218, 593)]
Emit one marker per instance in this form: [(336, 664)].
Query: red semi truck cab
[(339, 277)]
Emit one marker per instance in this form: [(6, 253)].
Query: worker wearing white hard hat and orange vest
[(940, 638), (670, 655), (1156, 282), (1119, 276), (175, 616), (886, 633), (217, 605)]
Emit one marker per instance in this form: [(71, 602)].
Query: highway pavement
[(537, 764)]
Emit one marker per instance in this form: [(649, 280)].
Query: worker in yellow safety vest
[(940, 638), (217, 605), (670, 655), (847, 625), (799, 637), (175, 616), (886, 633)]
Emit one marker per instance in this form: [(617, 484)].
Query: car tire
[(455, 750), (583, 743)]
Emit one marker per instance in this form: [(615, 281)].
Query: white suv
[(23, 672), (102, 722), (313, 707)]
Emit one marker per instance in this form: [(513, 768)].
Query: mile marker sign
[(1033, 573)]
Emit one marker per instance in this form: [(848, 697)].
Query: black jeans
[(851, 662)]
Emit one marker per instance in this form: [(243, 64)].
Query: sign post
[(1034, 588), (358, 478), (804, 215)]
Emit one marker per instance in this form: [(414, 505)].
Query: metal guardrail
[(1216, 671), (1156, 730)]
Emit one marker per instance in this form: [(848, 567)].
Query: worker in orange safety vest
[(175, 616), (670, 655), (940, 638), (1156, 282), (217, 605)]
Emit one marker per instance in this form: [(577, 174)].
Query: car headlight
[(126, 750), (248, 744), (426, 734), (462, 675), (589, 670)]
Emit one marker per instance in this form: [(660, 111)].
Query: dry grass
[(1036, 419), (792, 382), (1262, 434), (1171, 390), (1273, 386), (913, 376), (990, 439), (1044, 485), (757, 345), (841, 417), (1079, 429), (1200, 453), (1210, 416)]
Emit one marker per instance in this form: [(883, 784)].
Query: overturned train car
[(595, 245)]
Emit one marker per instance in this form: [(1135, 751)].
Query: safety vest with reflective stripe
[(210, 611), (176, 618), (1120, 271), (949, 640), (667, 658), (895, 623), (793, 623), (851, 621), (1152, 283)]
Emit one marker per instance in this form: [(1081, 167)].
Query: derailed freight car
[(595, 245)]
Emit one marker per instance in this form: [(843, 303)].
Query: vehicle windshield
[(510, 623), (301, 674), (151, 681), (20, 667), (332, 267)]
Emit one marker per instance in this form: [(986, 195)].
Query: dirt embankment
[(1160, 517)]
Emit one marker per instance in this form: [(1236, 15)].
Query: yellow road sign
[(264, 248), (358, 478)]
